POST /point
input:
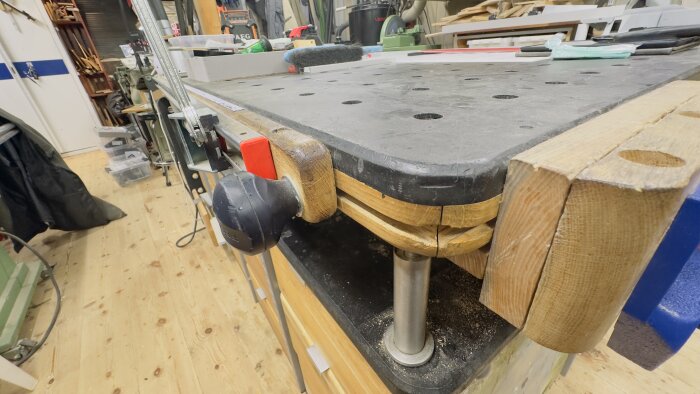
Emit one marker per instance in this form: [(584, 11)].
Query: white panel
[(64, 104), (13, 101)]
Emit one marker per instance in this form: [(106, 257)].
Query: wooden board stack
[(62, 12), (500, 9)]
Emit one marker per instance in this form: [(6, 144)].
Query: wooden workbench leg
[(406, 339)]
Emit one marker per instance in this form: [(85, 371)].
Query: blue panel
[(678, 245), (44, 68), (678, 315), (4, 72)]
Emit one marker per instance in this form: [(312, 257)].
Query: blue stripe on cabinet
[(4, 72), (44, 68)]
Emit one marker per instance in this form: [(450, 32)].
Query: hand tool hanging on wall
[(13, 8)]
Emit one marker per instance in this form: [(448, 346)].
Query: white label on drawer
[(261, 293), (317, 357)]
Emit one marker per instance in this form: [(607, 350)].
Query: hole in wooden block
[(419, 89), (505, 96), (367, 84), (427, 116), (471, 79), (556, 83), (306, 94), (277, 89), (652, 158), (350, 102), (590, 72)]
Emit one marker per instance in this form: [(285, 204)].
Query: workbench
[(419, 154), (336, 284), (488, 112)]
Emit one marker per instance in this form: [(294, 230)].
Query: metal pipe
[(411, 277), (406, 340), (279, 309), (412, 13)]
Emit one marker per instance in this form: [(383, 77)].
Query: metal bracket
[(277, 303), (209, 120)]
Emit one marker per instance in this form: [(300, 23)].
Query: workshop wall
[(111, 23)]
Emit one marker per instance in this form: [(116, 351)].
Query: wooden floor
[(142, 316)]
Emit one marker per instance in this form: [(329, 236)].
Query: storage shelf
[(66, 23), (95, 95)]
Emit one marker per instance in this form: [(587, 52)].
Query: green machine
[(395, 36), (17, 284)]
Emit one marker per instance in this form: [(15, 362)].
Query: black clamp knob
[(253, 211)]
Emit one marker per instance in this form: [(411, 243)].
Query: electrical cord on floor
[(49, 271), (191, 234)]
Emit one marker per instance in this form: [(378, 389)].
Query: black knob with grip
[(253, 211)]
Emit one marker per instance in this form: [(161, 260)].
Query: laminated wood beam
[(473, 262), (466, 215), (615, 216), (537, 187), (433, 241)]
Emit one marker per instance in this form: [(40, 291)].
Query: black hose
[(339, 30), (49, 270), (191, 234)]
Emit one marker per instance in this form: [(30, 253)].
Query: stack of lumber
[(499, 9), (583, 213), (62, 12), (85, 59)]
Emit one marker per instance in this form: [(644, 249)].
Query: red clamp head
[(257, 157)]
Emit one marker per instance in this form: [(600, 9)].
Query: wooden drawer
[(318, 376), (313, 322)]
